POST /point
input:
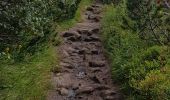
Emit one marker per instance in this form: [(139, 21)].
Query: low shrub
[(25, 24), (142, 68)]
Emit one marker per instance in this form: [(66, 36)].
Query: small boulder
[(63, 91)]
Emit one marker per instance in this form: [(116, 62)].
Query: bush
[(142, 68), (149, 17), (28, 24)]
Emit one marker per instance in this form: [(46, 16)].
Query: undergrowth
[(141, 68), (29, 79)]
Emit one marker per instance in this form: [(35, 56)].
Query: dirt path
[(85, 73)]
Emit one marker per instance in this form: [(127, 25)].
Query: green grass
[(29, 80), (64, 25)]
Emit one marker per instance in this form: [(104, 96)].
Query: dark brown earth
[(85, 73)]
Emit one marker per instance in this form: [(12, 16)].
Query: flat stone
[(85, 90), (63, 91), (109, 93)]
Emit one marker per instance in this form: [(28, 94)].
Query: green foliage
[(29, 23), (141, 66), (149, 17)]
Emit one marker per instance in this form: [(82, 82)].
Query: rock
[(71, 93), (55, 69), (95, 79), (85, 32), (91, 17), (95, 30), (73, 38), (94, 17), (97, 19), (63, 91), (64, 80), (89, 9), (81, 52), (85, 90), (66, 65), (94, 5), (80, 75), (65, 53), (72, 51), (71, 33), (92, 39), (96, 70), (96, 52), (96, 63), (108, 93), (97, 11), (93, 97), (110, 98), (102, 87)]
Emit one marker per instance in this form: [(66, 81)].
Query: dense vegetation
[(25, 24), (28, 28), (136, 35)]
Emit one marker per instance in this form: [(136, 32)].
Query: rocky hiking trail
[(85, 72)]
